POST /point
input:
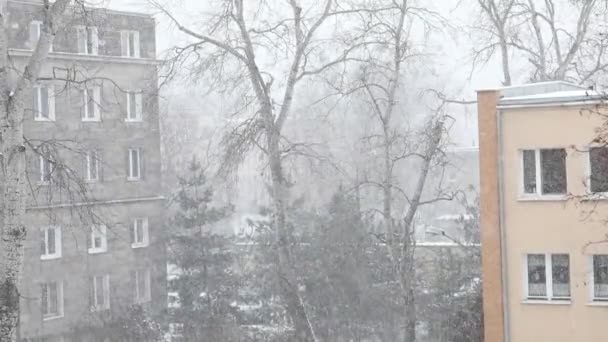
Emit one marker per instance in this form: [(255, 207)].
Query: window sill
[(133, 179), (139, 245), (595, 196), (100, 309), (542, 198), (546, 302), (50, 257), (91, 181), (91, 120), (44, 120), (598, 303), (134, 120), (45, 183), (97, 251), (51, 318)]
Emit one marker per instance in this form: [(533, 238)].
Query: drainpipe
[(501, 226)]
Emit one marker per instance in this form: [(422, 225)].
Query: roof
[(548, 93)]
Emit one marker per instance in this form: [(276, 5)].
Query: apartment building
[(93, 253), (544, 180)]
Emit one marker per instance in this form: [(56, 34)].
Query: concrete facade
[(517, 224), (113, 200)]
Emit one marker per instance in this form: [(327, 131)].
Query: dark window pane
[(561, 275), (51, 241), (529, 171), (600, 276), (536, 276), (553, 168), (598, 158)]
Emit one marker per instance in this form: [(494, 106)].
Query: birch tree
[(266, 51), (13, 87)]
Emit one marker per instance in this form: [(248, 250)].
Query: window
[(98, 239), (141, 282), (45, 170), (100, 292), (600, 277), (35, 32), (134, 172), (52, 300), (88, 42), (548, 276), (91, 100), (544, 171), (598, 169), (92, 166), (50, 243), (134, 106), (129, 43), (139, 232), (43, 103)]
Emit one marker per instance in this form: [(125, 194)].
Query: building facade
[(94, 255), (543, 184)]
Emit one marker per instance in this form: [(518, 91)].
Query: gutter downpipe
[(503, 240)]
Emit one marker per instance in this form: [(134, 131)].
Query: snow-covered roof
[(541, 93)]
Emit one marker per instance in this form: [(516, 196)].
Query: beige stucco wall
[(552, 226)]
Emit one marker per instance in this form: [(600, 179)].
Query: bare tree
[(242, 48), (381, 82), (541, 33)]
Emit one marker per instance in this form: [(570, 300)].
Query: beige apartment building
[(544, 211)]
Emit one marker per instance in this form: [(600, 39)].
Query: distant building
[(544, 250), (93, 248)]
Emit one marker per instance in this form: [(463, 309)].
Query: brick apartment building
[(94, 220), (543, 204)]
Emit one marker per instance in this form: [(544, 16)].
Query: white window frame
[(130, 175), (37, 89), (548, 280), (538, 195), (60, 302), (125, 46), (146, 297), (140, 241), (98, 231), (137, 95), (38, 25), (58, 250), (42, 160), (90, 156), (591, 281), (83, 40), (106, 293), (96, 104)]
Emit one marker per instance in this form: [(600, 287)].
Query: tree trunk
[(288, 281), (13, 231)]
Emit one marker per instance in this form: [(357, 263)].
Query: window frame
[(130, 176), (50, 91), (138, 97), (95, 307), (90, 155), (42, 161), (147, 297), (38, 24), (591, 281), (538, 194), (82, 32), (96, 104), (58, 243), (549, 298), (145, 238), (125, 46), (60, 301), (100, 231), (590, 194)]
